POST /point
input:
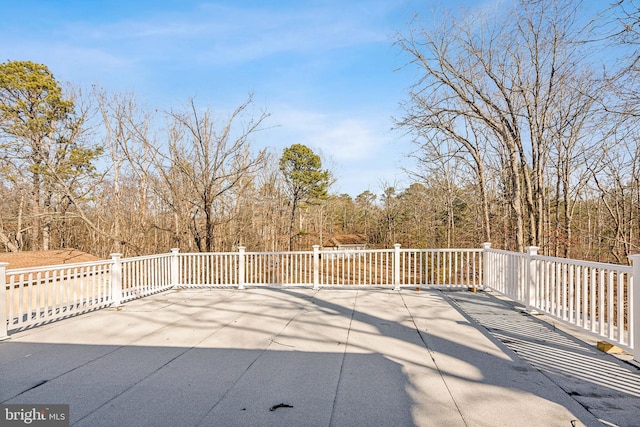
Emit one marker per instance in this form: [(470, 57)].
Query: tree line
[(535, 107), (523, 122)]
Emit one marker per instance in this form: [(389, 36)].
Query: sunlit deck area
[(333, 357)]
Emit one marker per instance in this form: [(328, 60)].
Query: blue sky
[(326, 71)]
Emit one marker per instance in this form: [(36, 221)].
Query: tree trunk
[(516, 198), (35, 212)]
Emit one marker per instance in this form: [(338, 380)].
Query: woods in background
[(524, 122)]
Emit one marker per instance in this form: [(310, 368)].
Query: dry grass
[(42, 258)]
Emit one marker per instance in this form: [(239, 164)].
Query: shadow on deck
[(224, 357)]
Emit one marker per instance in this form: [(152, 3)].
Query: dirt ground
[(42, 258)]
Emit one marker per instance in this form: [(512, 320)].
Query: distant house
[(348, 242)]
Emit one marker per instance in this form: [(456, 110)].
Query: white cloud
[(316, 66), (358, 148), (348, 139), (344, 139)]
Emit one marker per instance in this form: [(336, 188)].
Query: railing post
[(175, 267), (531, 278), (486, 268), (634, 305), (116, 280), (241, 277), (316, 267), (396, 267), (4, 328)]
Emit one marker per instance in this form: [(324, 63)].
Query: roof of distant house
[(345, 239)]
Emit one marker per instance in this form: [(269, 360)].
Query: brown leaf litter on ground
[(41, 258)]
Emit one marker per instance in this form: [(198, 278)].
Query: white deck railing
[(39, 295), (321, 268), (597, 297), (142, 276)]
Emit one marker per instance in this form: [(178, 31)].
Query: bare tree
[(445, 138), (495, 84), (126, 133), (202, 164), (458, 83)]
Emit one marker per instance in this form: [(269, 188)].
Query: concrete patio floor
[(375, 357)]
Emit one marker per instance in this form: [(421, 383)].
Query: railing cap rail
[(185, 254), (59, 266), (582, 263), (145, 257), (442, 250), (503, 251), (275, 253)]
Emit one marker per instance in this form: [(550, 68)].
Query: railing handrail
[(144, 257), (503, 252), (23, 270), (440, 250), (573, 261), (582, 263)]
